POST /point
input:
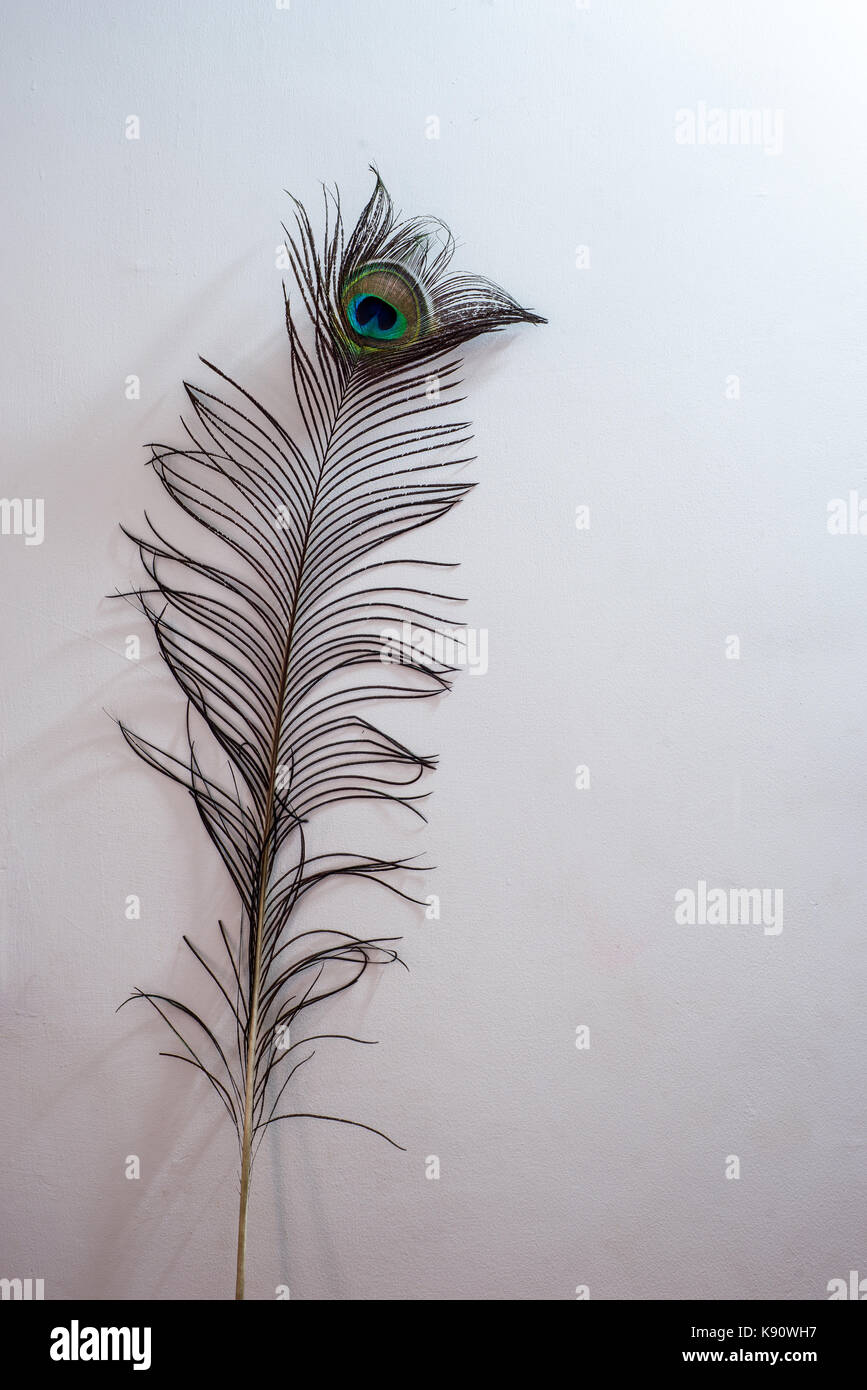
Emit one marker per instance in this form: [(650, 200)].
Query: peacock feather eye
[(384, 306)]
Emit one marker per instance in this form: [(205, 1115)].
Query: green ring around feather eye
[(368, 282), (371, 330)]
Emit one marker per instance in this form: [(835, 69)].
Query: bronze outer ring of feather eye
[(383, 307)]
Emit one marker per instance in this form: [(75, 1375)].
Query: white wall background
[(560, 1167)]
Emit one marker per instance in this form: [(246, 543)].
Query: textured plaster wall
[(700, 388)]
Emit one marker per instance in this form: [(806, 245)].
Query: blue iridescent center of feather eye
[(372, 317)]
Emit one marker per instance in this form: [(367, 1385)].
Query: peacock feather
[(279, 641)]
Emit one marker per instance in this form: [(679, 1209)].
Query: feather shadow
[(281, 641)]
